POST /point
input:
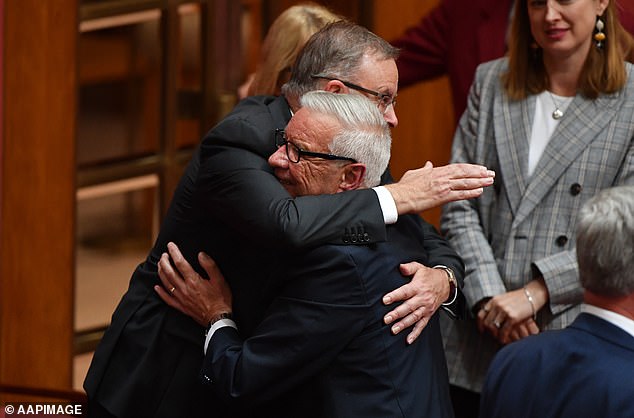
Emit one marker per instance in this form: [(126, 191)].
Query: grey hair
[(337, 50), (605, 242), (364, 134)]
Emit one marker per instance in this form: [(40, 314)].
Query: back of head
[(336, 50), (284, 39), (364, 135), (605, 242)]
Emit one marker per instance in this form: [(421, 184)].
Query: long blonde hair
[(286, 37), (602, 73)]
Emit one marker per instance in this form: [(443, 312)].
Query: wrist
[(399, 202), (539, 292), (452, 282), (218, 316)]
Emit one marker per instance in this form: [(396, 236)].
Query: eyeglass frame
[(381, 96), (281, 133)]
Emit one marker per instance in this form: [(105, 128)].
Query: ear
[(601, 6), (335, 86), (352, 177)]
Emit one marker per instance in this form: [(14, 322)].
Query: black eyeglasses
[(293, 152), (385, 100)]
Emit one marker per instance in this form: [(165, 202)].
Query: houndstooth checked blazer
[(521, 226)]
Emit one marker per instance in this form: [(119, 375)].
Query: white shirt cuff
[(388, 206), (221, 323)]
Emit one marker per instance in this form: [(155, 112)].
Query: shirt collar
[(623, 322)]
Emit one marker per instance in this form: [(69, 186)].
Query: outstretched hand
[(184, 289), (428, 187), (422, 296)]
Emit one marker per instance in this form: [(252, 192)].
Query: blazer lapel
[(512, 126), (584, 122)]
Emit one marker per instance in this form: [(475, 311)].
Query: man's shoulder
[(255, 112), (249, 126)]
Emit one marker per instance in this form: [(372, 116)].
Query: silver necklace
[(557, 113)]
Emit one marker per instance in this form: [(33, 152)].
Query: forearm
[(282, 354), (238, 188)]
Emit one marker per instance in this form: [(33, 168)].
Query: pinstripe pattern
[(518, 224)]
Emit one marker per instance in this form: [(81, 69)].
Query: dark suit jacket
[(456, 36), (230, 205), (584, 370), (323, 346)]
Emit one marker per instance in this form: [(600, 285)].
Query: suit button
[(345, 239), (354, 238), (561, 240), (575, 189), (366, 237)]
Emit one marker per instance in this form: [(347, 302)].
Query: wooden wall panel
[(426, 120), (37, 192), (1, 117)]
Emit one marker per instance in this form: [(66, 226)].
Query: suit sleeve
[(237, 185), (461, 222), (316, 316), (424, 48)]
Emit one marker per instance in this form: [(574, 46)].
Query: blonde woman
[(285, 38)]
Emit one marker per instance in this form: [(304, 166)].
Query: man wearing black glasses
[(229, 205), (322, 349)]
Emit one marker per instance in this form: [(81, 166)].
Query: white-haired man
[(323, 349)]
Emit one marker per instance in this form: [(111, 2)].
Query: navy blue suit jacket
[(584, 370), (230, 205), (322, 349)]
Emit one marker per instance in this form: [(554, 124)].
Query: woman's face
[(564, 28)]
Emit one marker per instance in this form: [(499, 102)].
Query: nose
[(552, 10), (278, 159), (390, 116)]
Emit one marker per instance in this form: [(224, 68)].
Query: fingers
[(179, 261), (419, 318), (465, 180), (503, 325), (210, 266), (169, 278), (515, 335), (408, 320), (400, 312), (532, 327), (418, 328), (409, 269), (522, 330), (492, 318), (464, 170), (402, 293), (168, 299)]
